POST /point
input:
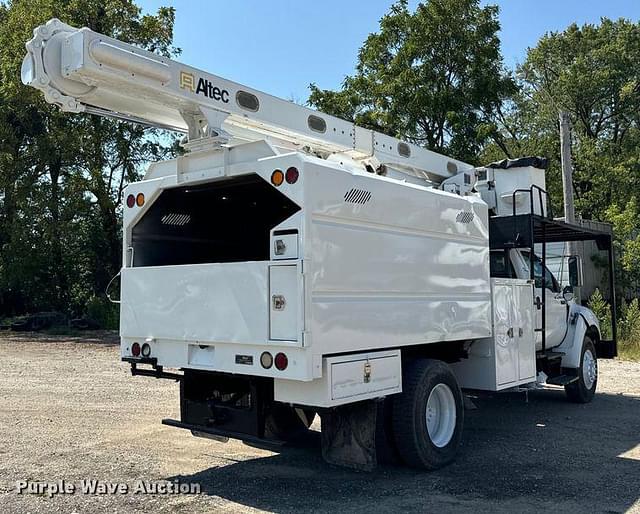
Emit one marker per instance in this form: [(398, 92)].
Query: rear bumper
[(239, 359), (221, 434)]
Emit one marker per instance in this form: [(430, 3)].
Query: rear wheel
[(428, 415), (583, 389)]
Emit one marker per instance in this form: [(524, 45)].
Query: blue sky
[(280, 46)]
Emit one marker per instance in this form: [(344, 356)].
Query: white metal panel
[(223, 357), (284, 246), (506, 348), (343, 380), (508, 358), (389, 263), (364, 376), (199, 302), (285, 302), (524, 326)]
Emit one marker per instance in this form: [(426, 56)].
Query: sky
[(280, 46)]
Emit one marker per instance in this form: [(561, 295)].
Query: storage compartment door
[(284, 303), (504, 336), (524, 327)]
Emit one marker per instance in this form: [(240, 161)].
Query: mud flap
[(349, 435)]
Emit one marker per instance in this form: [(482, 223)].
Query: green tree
[(61, 175), (433, 77), (591, 72)]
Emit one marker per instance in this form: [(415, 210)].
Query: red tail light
[(135, 349), (131, 201), (281, 361), (292, 175)]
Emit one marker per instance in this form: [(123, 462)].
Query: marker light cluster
[(267, 360), (291, 176), (137, 350), (133, 200)]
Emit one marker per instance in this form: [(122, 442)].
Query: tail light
[(281, 361), (140, 199), (146, 350), (266, 359), (135, 349), (131, 201), (292, 175)]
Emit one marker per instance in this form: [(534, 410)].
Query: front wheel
[(428, 415), (583, 389)]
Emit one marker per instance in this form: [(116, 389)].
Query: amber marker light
[(277, 177)]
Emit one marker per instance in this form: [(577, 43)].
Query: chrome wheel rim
[(441, 415), (589, 369)]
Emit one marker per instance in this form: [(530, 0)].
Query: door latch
[(279, 247), (538, 303), (278, 302), (367, 372)]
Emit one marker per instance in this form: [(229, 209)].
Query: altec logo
[(203, 87)]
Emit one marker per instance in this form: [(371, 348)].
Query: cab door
[(557, 310)]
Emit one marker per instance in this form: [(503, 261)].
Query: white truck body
[(293, 263), (377, 263)]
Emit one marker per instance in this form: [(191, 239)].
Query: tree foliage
[(591, 72), (433, 77), (61, 175)]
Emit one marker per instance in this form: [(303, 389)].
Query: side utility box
[(507, 359), (346, 379)]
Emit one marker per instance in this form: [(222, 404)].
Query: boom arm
[(83, 71)]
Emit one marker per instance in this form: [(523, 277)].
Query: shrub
[(602, 311), (104, 312)]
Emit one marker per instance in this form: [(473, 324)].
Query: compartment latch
[(278, 302)]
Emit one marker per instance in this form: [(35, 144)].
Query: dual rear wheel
[(427, 417)]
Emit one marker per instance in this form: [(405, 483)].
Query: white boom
[(83, 71)]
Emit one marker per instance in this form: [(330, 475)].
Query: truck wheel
[(428, 415), (286, 423), (583, 389)]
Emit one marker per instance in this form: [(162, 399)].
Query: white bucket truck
[(292, 264)]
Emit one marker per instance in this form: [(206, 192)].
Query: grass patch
[(629, 350)]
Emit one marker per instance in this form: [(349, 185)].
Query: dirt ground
[(69, 410)]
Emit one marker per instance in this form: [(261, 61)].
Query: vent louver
[(177, 220), (465, 217), (360, 196)]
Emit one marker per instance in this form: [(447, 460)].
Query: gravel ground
[(69, 410)]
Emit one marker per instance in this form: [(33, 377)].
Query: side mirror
[(575, 271), (567, 293)]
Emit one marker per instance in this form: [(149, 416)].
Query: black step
[(550, 355), (562, 380)]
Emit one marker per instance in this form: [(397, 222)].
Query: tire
[(428, 415), (583, 389), (286, 423)]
